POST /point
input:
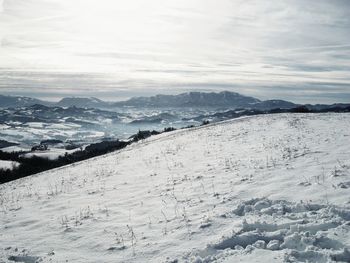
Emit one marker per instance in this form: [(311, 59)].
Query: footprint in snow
[(303, 231)]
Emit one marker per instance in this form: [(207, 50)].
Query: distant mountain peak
[(19, 101), (192, 99), (87, 102)]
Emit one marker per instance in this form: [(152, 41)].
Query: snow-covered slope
[(270, 188)]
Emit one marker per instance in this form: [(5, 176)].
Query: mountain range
[(221, 100), (83, 102), (192, 99), (17, 101)]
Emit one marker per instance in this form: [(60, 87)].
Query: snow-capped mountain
[(274, 104), (18, 101), (192, 99), (268, 188), (221, 100), (82, 102)]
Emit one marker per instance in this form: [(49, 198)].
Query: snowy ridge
[(272, 188)]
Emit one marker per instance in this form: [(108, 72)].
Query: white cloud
[(161, 44)]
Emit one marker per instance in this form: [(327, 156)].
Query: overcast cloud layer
[(291, 49)]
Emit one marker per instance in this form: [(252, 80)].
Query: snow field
[(270, 188), (8, 164)]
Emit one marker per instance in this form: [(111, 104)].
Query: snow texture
[(272, 188), (8, 164)]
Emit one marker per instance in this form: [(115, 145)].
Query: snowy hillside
[(270, 188)]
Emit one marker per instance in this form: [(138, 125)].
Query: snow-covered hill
[(270, 188)]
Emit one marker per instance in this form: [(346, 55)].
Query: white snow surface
[(8, 164), (11, 149), (270, 188)]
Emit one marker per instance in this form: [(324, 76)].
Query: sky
[(297, 50)]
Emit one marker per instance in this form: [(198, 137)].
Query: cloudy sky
[(290, 49)]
